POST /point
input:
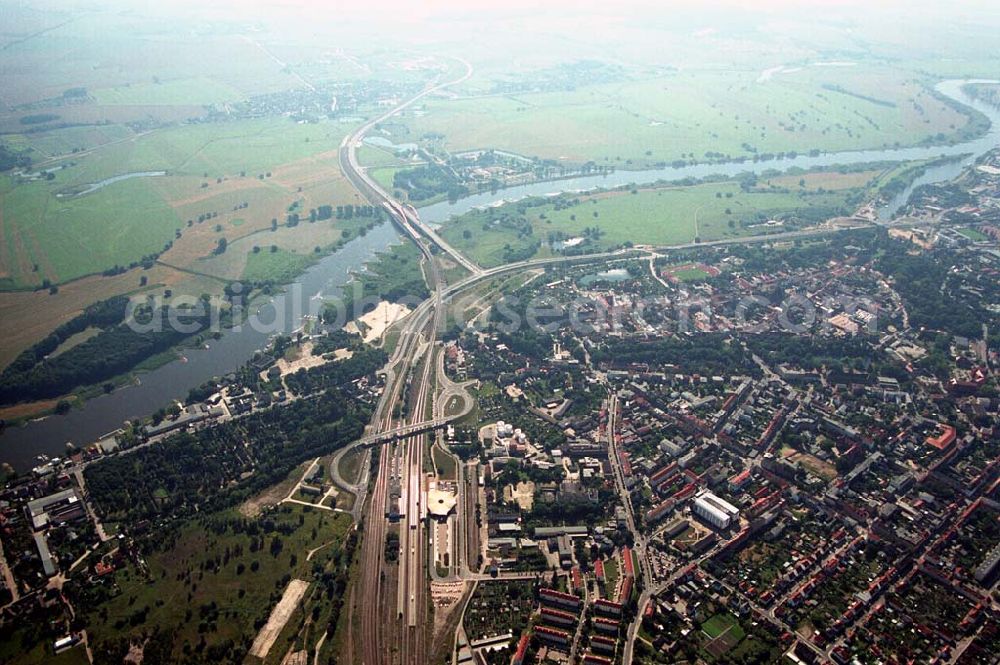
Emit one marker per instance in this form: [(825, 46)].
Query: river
[(441, 212), (283, 313), (21, 445)]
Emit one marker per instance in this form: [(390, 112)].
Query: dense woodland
[(988, 93), (10, 159), (366, 360), (705, 354), (815, 352), (118, 348), (935, 297), (426, 182), (185, 472)]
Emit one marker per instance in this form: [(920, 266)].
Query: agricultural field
[(695, 113), (209, 169), (257, 172), (214, 581), (172, 58), (253, 146), (199, 90), (68, 140)]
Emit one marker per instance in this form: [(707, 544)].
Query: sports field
[(973, 234)]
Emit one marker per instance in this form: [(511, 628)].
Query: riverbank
[(20, 445)]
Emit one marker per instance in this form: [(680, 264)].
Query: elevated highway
[(404, 215), (403, 431), (400, 632)]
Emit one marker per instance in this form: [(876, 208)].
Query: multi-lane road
[(403, 638)]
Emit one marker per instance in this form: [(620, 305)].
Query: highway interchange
[(395, 623)]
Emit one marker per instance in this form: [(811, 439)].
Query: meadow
[(216, 578), (693, 113), (253, 146), (210, 168), (223, 180), (198, 90), (66, 140), (666, 215), (274, 266)]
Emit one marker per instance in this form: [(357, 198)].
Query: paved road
[(417, 336)]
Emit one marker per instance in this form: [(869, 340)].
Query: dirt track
[(279, 617)]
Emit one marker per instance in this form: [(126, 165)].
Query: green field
[(65, 140), (277, 267), (689, 114), (75, 236), (444, 464), (721, 623), (690, 275), (188, 91), (202, 582), (218, 149), (384, 176), (43, 223), (611, 573), (657, 216), (372, 156), (973, 234)]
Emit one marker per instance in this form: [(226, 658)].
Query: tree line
[(185, 472), (116, 349)]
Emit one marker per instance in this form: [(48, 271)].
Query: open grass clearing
[(637, 123), (197, 90), (444, 464), (192, 570), (668, 215), (721, 623)]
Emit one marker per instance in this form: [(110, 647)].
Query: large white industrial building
[(715, 511)]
